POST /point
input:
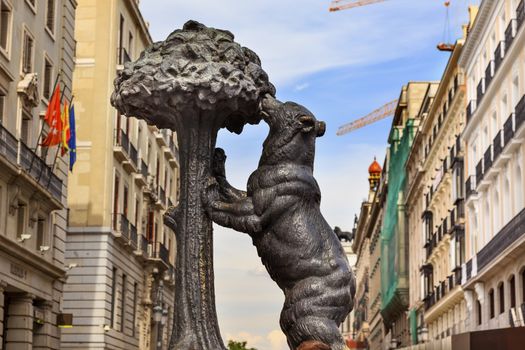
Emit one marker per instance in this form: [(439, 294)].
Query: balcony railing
[(489, 74), (520, 113), (8, 145), (470, 109), (458, 272), (487, 159), (124, 226), (497, 144), (133, 235), (162, 253), (520, 13), (122, 140), (499, 54), (510, 34), (144, 169), (508, 130), (479, 171), (144, 245), (19, 154), (133, 155), (480, 90), (470, 186)]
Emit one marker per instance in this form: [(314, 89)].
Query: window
[(48, 73), (5, 25), (120, 40), (21, 219), (25, 127), (523, 285), (125, 206), (2, 106), (137, 210), (135, 289), (27, 53), (123, 303), (480, 314), (149, 227), (50, 16), (115, 201), (491, 303), (130, 45), (501, 292), (512, 287), (40, 232), (113, 296)]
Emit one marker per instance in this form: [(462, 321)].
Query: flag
[(72, 143), (66, 135), (53, 119)]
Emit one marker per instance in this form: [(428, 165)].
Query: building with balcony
[(121, 291), (36, 48), (493, 59), (394, 244), (435, 211)]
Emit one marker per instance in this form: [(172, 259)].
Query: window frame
[(27, 32), (51, 31), (47, 59), (32, 6), (6, 52)]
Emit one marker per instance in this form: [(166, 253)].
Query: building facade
[(121, 288), (36, 50), (493, 59), (394, 234), (435, 207)]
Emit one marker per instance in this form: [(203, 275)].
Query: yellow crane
[(338, 5), (381, 113)]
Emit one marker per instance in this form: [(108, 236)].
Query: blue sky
[(340, 66)]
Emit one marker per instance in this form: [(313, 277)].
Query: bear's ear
[(307, 123)]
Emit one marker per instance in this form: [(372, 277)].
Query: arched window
[(491, 304), (512, 290), (501, 294)]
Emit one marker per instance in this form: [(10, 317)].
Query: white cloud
[(302, 86), (295, 39)]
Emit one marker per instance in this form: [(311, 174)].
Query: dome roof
[(374, 168)]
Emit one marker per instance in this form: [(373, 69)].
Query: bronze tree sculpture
[(280, 211), (195, 82)]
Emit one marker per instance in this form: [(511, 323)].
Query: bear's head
[(293, 130)]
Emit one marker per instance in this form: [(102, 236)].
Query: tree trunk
[(196, 326)]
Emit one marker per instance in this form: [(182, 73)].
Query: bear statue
[(281, 212)]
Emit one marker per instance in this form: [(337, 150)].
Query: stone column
[(19, 331), (45, 335), (3, 286)]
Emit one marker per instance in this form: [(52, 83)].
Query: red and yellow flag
[(54, 120)]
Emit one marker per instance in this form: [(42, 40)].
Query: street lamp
[(157, 313), (393, 343), (424, 334)]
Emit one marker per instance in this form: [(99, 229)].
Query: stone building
[(493, 59), (36, 49), (121, 290), (435, 209), (394, 244)]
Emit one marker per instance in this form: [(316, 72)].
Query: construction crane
[(380, 113), (338, 5)]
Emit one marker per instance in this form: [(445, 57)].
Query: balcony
[(133, 155), (479, 172), (121, 148), (508, 130), (471, 107), (162, 138), (142, 247), (480, 90), (520, 14), (520, 113), (499, 54), (162, 196), (175, 153), (510, 34), (17, 155), (133, 236), (487, 159), (141, 178), (161, 253), (489, 74), (497, 144), (511, 233), (121, 228), (470, 186)]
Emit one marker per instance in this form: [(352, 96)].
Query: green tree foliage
[(237, 345)]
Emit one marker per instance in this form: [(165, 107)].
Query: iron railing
[(144, 245), (162, 253), (479, 171), (8, 145), (510, 33), (508, 130), (480, 90), (520, 14), (124, 226), (470, 109), (499, 54), (144, 169), (133, 155), (489, 74), (497, 145), (487, 159), (470, 186), (133, 235)]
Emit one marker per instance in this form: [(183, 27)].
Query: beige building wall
[(126, 177), (493, 58), (36, 45)]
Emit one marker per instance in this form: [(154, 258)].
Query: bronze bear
[(280, 211)]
